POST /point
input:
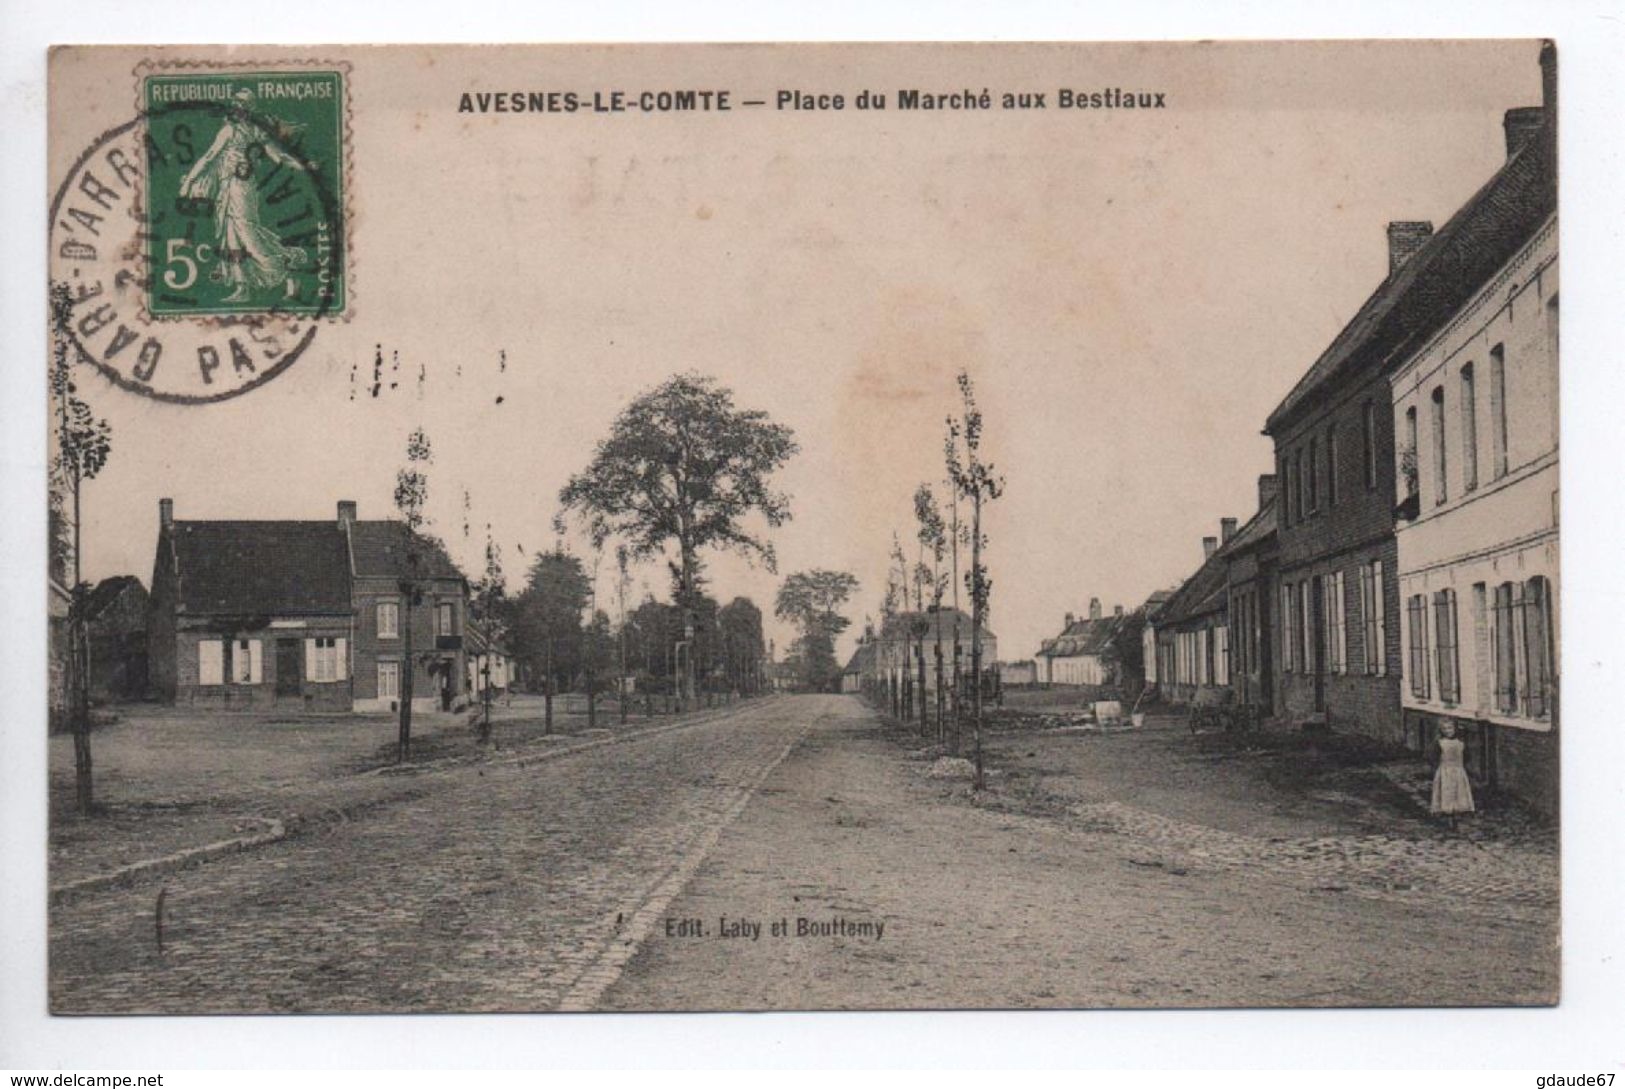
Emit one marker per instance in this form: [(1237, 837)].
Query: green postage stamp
[(245, 210)]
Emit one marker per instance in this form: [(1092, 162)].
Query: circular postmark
[(200, 244)]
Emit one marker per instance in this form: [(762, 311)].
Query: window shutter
[(255, 661), (310, 659), (210, 662), (341, 669)]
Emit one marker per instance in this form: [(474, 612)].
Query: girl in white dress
[(1452, 792)]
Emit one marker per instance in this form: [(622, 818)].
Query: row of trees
[(918, 593)]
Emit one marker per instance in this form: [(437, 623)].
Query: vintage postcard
[(795, 527)]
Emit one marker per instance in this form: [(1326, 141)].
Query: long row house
[(1402, 566)]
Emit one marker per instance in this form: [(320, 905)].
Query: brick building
[(116, 629), (1251, 559), (296, 614), (1475, 407)]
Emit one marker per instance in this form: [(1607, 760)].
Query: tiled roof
[(380, 549), (1202, 593), (862, 659), (106, 592), (892, 628), (261, 568), (1441, 276), (1082, 637)]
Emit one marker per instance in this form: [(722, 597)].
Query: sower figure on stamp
[(1452, 791), (252, 257)]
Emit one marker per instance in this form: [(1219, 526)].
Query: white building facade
[(1476, 440)]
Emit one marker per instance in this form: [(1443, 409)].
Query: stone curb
[(65, 893)]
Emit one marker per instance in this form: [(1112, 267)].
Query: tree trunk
[(403, 742), (547, 690), (79, 709), (977, 596)]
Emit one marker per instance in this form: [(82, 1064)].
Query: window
[(1537, 647), (1336, 657), (389, 620), (1498, 411), (1441, 474), (1448, 665), (1306, 625), (389, 680), (245, 661), (1331, 466), (1504, 647), (1314, 475), (1416, 617), (1368, 443), (1409, 470), (324, 659), (1287, 657), (211, 662), (1373, 615), (1303, 487), (442, 619), (1469, 430)]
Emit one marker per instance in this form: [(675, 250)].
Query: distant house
[(301, 615), (1084, 653), (1193, 647), (906, 638), (489, 662), (857, 667), (116, 626), (1151, 611)]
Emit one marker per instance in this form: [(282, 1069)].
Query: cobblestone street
[(635, 875)]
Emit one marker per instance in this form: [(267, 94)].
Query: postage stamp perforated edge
[(343, 197)]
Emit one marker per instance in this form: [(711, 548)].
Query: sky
[(1131, 293)]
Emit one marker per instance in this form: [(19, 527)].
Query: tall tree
[(83, 445), (411, 497), (933, 537), (684, 468), (546, 619), (976, 481), (743, 643), (811, 600), (490, 602)]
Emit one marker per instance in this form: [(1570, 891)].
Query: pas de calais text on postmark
[(202, 243)]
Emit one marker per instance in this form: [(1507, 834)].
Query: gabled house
[(291, 614), (116, 628), (1082, 654)]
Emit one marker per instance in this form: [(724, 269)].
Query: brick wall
[(370, 648), (1518, 763), (1326, 536)]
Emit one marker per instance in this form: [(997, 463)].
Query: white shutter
[(310, 659), (342, 667), (255, 662), (210, 662)]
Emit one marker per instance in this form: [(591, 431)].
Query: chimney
[(166, 512), (1117, 610), (1070, 620), (1210, 545), (1521, 124), (1227, 529), (1405, 237), (1094, 608), (1548, 81), (1269, 486), (346, 513)]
